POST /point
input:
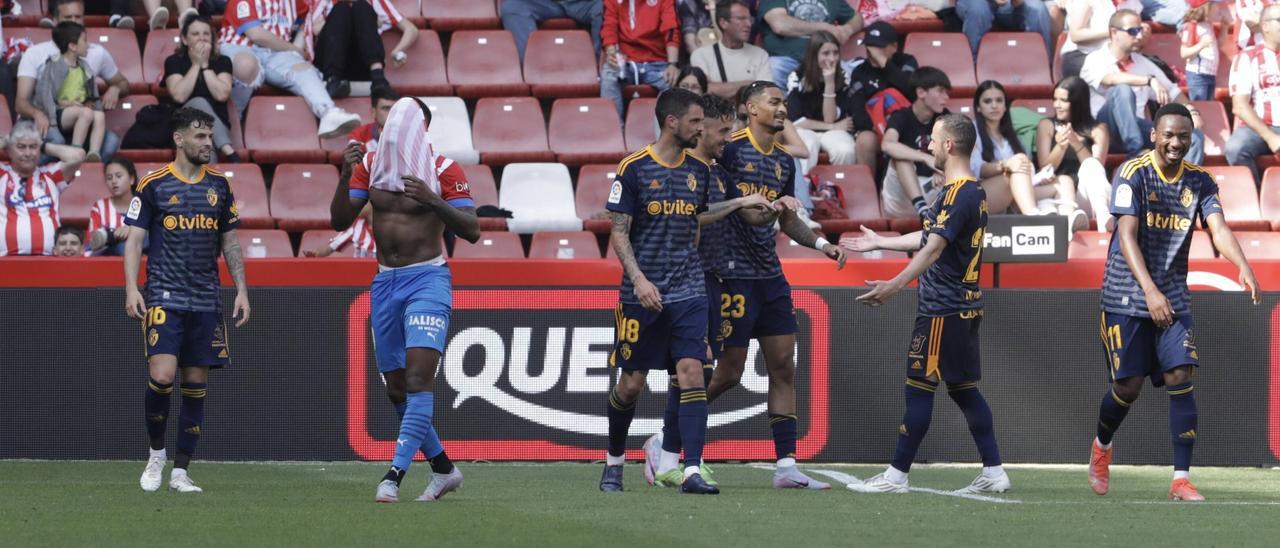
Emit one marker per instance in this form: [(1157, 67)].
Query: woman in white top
[(1071, 147), (998, 159), (1088, 24)]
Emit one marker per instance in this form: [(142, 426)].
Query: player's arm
[(344, 207), (1226, 244), (235, 265), (881, 290), (1157, 303), (799, 231), (134, 304), (720, 210), (872, 241), (620, 239)]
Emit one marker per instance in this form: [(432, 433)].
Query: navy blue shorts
[(756, 308), (657, 340), (410, 307), (1135, 347), (197, 339), (717, 328), (946, 348)]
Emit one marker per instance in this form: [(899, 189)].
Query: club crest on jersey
[(726, 329), (153, 337), (626, 351), (917, 343), (693, 183), (1186, 197), (212, 196)]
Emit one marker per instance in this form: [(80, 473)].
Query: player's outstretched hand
[(868, 241), (787, 202), (241, 310), (1158, 306), (648, 295), (756, 201), (1251, 283), (134, 305), (881, 291), (835, 253), (416, 189)]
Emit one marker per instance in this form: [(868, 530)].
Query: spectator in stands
[(641, 46), (198, 76), (1255, 97), (818, 105), (158, 15), (97, 60), (998, 158), (1199, 50), (1088, 29), (1248, 21), (885, 72), (68, 241), (107, 231), (359, 235), (1012, 15), (67, 94), (343, 39), (789, 23), (119, 10), (521, 17), (29, 210), (258, 44), (695, 22), (1074, 145), (693, 79), (910, 184), (367, 135), (1169, 13), (732, 63), (1121, 82)]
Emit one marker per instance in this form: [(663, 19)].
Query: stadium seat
[(1201, 246), (1089, 245), (511, 129), (1018, 61), (1216, 128), (6, 118), (251, 194), (1269, 199), (961, 105), (789, 249), (853, 48), (948, 52), (355, 105), (1239, 198), (88, 187), (273, 243), (539, 196), (1259, 245), (424, 72), (594, 181), (316, 239), (34, 34), (561, 63), (642, 125), (861, 201), (480, 178), (564, 245), (160, 45), (450, 15), (1043, 107), (120, 119), (300, 195), (1165, 46), (123, 46), (484, 63), (411, 10), (450, 129), (873, 255), (492, 245), (584, 131), (269, 141)]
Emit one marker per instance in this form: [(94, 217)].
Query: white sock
[(786, 463), (158, 453), (1102, 445), (690, 470), (895, 475), (668, 461), (614, 461), (993, 471), (1181, 474)]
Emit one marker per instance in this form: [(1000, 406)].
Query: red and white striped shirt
[(29, 211), (276, 16), (360, 235), (1256, 72), (1251, 10), (105, 216), (388, 18)]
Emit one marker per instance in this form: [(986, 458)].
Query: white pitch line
[(849, 478)]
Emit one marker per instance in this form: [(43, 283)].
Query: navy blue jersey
[(663, 202), (712, 240), (750, 252), (959, 214), (185, 221), (1166, 210)]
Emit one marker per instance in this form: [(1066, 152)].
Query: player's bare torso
[(406, 232)]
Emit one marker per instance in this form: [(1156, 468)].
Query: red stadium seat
[(1089, 245), (300, 195), (908, 26), (1270, 198), (873, 255), (251, 194), (1259, 245), (160, 45), (1057, 56), (961, 105), (123, 46), (1239, 198), (1043, 107), (564, 245), (1018, 61), (121, 118), (282, 129), (853, 48), (1165, 46), (594, 181), (34, 34), (484, 63), (411, 10), (1216, 128), (561, 63), (1201, 246), (424, 72), (317, 239), (861, 201), (948, 52), (509, 130), (585, 131), (273, 243), (642, 126), (789, 249), (483, 190), (447, 15), (492, 245), (88, 187), (355, 105)]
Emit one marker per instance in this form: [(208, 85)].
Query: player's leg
[(662, 450), (728, 371), (1179, 359), (733, 332), (621, 411), (960, 364), (195, 381), (162, 337), (1127, 343), (688, 349), (420, 371)]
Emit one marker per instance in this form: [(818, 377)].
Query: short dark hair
[(696, 73), (960, 130), (54, 5), (125, 164), (715, 107), (1119, 16), (382, 94), (724, 9), (65, 34), (929, 78), (426, 110), (674, 102), (69, 229), (1173, 109), (750, 91), (187, 117)]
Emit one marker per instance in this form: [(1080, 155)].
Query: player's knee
[(397, 394), (782, 375), (1127, 389), (1180, 375), (163, 377)]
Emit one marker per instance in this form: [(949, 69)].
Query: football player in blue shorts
[(414, 201), (755, 298), (189, 214), (944, 345), (1146, 324)]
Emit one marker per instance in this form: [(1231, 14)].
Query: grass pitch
[(330, 504)]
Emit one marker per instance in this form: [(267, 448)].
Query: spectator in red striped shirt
[(68, 241), (1255, 96), (31, 193), (107, 231), (641, 46)]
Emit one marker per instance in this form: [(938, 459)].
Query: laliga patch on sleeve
[(1124, 196), (135, 207), (242, 9), (615, 192)]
